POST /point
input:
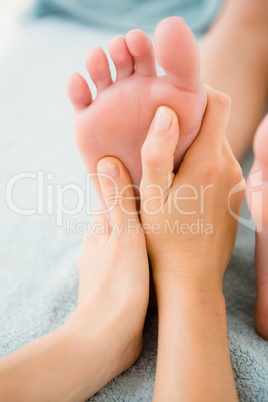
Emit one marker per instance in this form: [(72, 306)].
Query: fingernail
[(163, 118), (106, 168)]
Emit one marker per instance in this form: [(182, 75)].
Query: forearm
[(193, 362), (56, 367)]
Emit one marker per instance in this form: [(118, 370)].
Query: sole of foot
[(117, 121), (257, 199)]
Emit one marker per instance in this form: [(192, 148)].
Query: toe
[(141, 49), (177, 52), (98, 68), (121, 57), (78, 91)]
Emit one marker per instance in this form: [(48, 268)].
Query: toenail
[(163, 118)]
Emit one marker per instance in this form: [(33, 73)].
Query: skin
[(259, 211), (104, 335), (117, 121), (234, 55), (186, 291), (238, 41), (193, 362)]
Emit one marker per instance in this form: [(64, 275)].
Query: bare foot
[(234, 56), (257, 198), (117, 121)]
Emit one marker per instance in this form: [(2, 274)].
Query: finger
[(157, 153), (211, 136), (99, 224), (99, 214), (117, 191)]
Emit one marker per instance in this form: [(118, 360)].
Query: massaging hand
[(186, 218), (190, 236), (103, 337), (114, 274)]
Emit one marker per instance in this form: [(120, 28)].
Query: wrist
[(192, 338), (90, 354), (171, 284), (191, 301), (106, 345), (176, 298), (58, 366)]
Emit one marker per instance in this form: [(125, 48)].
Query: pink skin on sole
[(117, 121)]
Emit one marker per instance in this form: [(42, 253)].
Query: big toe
[(177, 52)]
